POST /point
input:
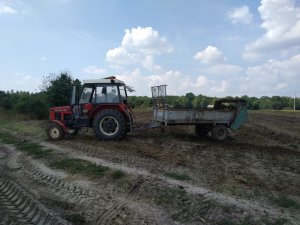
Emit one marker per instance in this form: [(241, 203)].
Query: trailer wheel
[(201, 131), (219, 132), (55, 132), (110, 125)]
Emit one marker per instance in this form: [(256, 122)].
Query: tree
[(58, 88), (189, 100)]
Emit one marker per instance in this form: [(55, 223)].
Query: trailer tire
[(219, 132), (110, 125), (55, 132), (201, 131)]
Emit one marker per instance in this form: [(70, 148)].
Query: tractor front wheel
[(55, 132), (110, 124), (219, 132)]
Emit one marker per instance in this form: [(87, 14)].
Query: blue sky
[(215, 48)]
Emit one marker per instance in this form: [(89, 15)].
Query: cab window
[(123, 93), (107, 94), (87, 95)]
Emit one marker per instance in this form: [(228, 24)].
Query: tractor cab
[(100, 92), (99, 97)]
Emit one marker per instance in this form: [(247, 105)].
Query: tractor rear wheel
[(110, 124), (55, 132), (219, 132)]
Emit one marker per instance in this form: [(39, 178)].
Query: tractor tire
[(219, 132), (201, 131), (55, 132), (110, 125)]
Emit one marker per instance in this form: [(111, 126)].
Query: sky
[(209, 47)]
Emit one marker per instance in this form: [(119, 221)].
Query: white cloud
[(120, 56), (240, 15), (43, 58), (281, 22), (5, 9), (139, 46), (201, 81), (145, 40), (273, 78), (224, 69), (221, 88), (21, 81), (93, 70), (209, 55), (177, 83)]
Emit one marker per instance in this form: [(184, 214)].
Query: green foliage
[(36, 150), (201, 101), (56, 91), (287, 202), (76, 219), (80, 166), (33, 105), (177, 176), (118, 174), (140, 101), (58, 87)]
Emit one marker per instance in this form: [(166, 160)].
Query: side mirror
[(125, 101)]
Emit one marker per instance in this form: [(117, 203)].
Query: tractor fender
[(63, 126), (103, 107)]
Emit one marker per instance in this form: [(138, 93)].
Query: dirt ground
[(162, 176)]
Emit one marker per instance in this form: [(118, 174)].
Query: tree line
[(56, 91), (201, 101)]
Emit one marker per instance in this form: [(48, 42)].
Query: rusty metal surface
[(175, 116)]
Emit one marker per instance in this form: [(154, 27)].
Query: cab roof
[(108, 80)]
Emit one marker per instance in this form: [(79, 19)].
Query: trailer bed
[(193, 116)]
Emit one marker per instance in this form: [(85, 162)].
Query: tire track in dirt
[(67, 191), (86, 199), (152, 217), (252, 207), (22, 208), (190, 188)]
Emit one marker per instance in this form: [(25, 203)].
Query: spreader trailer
[(226, 113), (103, 105)]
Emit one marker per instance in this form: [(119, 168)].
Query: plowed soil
[(162, 176)]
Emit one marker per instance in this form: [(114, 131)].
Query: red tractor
[(102, 105)]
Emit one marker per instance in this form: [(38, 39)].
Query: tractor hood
[(61, 109)]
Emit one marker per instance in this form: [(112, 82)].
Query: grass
[(177, 176), (118, 174), (288, 113), (79, 166), (35, 150), (76, 219), (229, 222), (7, 138), (286, 202), (278, 221)]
